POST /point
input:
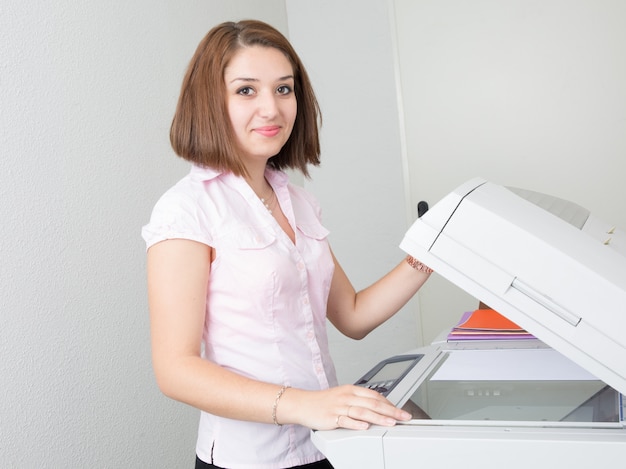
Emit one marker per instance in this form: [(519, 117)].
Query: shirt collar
[(204, 173)]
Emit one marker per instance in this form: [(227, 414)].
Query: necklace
[(270, 201)]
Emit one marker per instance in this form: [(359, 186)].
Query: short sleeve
[(176, 216)]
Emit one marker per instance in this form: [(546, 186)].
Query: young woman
[(241, 278)]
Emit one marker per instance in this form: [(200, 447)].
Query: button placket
[(310, 335)]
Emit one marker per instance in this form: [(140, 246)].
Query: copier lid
[(547, 264)]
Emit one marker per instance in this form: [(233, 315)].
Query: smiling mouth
[(268, 131)]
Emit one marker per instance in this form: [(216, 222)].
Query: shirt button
[(300, 265), (305, 300)]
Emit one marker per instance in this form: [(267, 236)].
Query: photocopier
[(555, 400)]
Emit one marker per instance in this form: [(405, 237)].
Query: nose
[(267, 104)]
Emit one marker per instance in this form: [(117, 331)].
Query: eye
[(245, 91), (284, 89)]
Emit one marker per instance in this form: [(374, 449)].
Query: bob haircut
[(201, 131)]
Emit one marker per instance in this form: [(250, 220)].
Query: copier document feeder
[(553, 400)]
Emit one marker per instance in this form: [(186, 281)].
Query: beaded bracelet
[(278, 396), (417, 265)]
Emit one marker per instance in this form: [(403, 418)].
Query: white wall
[(523, 93), (348, 50), (87, 92)]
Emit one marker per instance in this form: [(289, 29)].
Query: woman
[(241, 277)]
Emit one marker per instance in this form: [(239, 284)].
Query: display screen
[(391, 371), (384, 376)]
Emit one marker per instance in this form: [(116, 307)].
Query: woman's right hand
[(346, 406)]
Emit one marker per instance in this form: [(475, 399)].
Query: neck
[(256, 180)]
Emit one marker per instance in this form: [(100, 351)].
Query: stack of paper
[(487, 324)]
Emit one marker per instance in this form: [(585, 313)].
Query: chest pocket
[(246, 265), (314, 231), (245, 238)]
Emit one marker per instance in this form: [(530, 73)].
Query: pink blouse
[(266, 303)]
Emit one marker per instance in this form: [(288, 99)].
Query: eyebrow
[(286, 77)]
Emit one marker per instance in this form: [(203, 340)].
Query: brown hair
[(201, 131)]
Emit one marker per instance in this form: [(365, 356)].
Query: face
[(261, 101)]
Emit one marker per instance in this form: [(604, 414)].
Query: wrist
[(277, 399), (290, 409)]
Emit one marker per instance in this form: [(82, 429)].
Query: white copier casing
[(555, 401)]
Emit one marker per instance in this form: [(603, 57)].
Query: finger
[(362, 414), (379, 412), (343, 421)]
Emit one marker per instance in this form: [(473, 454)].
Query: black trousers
[(323, 464)]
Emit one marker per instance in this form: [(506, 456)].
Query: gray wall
[(87, 92), (360, 183)]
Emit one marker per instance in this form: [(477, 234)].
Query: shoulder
[(192, 188), (182, 211)]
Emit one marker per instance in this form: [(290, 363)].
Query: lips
[(268, 131)]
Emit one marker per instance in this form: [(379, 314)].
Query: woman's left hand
[(346, 406)]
